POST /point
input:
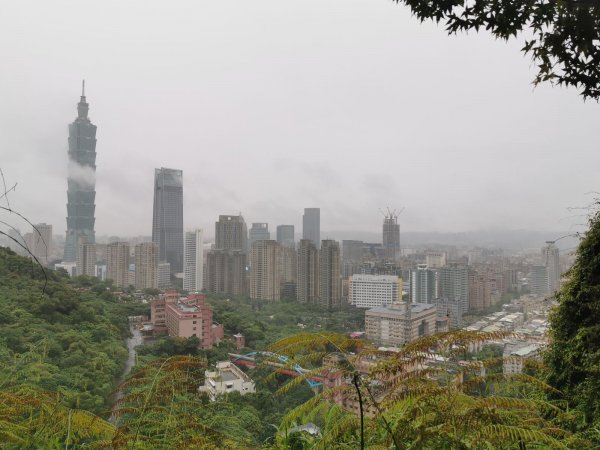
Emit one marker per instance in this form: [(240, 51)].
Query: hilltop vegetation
[(574, 354), (64, 336)]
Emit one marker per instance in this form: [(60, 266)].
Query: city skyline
[(384, 136)]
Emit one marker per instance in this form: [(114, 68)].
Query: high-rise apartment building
[(450, 309), (285, 235), (258, 232), (226, 263), (539, 283), (423, 284), (193, 261), (391, 236), (117, 264), (146, 265), (42, 242), (551, 258), (289, 264), (81, 181), (330, 284), (167, 218), (454, 283), (231, 233), (311, 225), (368, 291), (86, 259), (226, 272), (485, 289), (307, 290), (265, 276)]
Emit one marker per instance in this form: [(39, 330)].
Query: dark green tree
[(562, 36), (574, 353)]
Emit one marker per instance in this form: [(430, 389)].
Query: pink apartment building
[(186, 317)]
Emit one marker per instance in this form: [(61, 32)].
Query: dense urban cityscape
[(404, 252), (245, 261), (403, 293)]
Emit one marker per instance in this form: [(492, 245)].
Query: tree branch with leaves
[(561, 36)]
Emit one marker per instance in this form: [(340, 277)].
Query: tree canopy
[(562, 36), (60, 334), (574, 354)]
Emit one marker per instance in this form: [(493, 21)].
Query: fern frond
[(516, 434), (347, 423)]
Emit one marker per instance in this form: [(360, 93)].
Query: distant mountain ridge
[(507, 239)]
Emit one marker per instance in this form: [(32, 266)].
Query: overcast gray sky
[(270, 106)]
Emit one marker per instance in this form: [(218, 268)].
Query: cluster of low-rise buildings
[(185, 317), (526, 319)]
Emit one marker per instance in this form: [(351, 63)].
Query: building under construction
[(391, 235)]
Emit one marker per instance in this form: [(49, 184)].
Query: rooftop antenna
[(83, 88)]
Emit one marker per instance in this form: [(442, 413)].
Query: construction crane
[(391, 213)]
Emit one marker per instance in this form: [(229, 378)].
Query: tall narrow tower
[(193, 261), (265, 277), (391, 236), (551, 259), (308, 272), (81, 181), (167, 218), (330, 284)]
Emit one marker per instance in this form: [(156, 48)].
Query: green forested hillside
[(61, 336)]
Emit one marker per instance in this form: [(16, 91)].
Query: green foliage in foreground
[(574, 354), (65, 338), (408, 403), (424, 397)]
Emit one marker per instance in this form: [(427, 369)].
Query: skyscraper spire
[(82, 106)]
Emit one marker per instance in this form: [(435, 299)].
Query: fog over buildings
[(270, 107)]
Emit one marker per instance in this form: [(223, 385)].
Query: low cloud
[(84, 176)]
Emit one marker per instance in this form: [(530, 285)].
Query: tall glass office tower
[(167, 220), (81, 192)]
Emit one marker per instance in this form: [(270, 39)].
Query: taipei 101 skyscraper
[(81, 193)]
